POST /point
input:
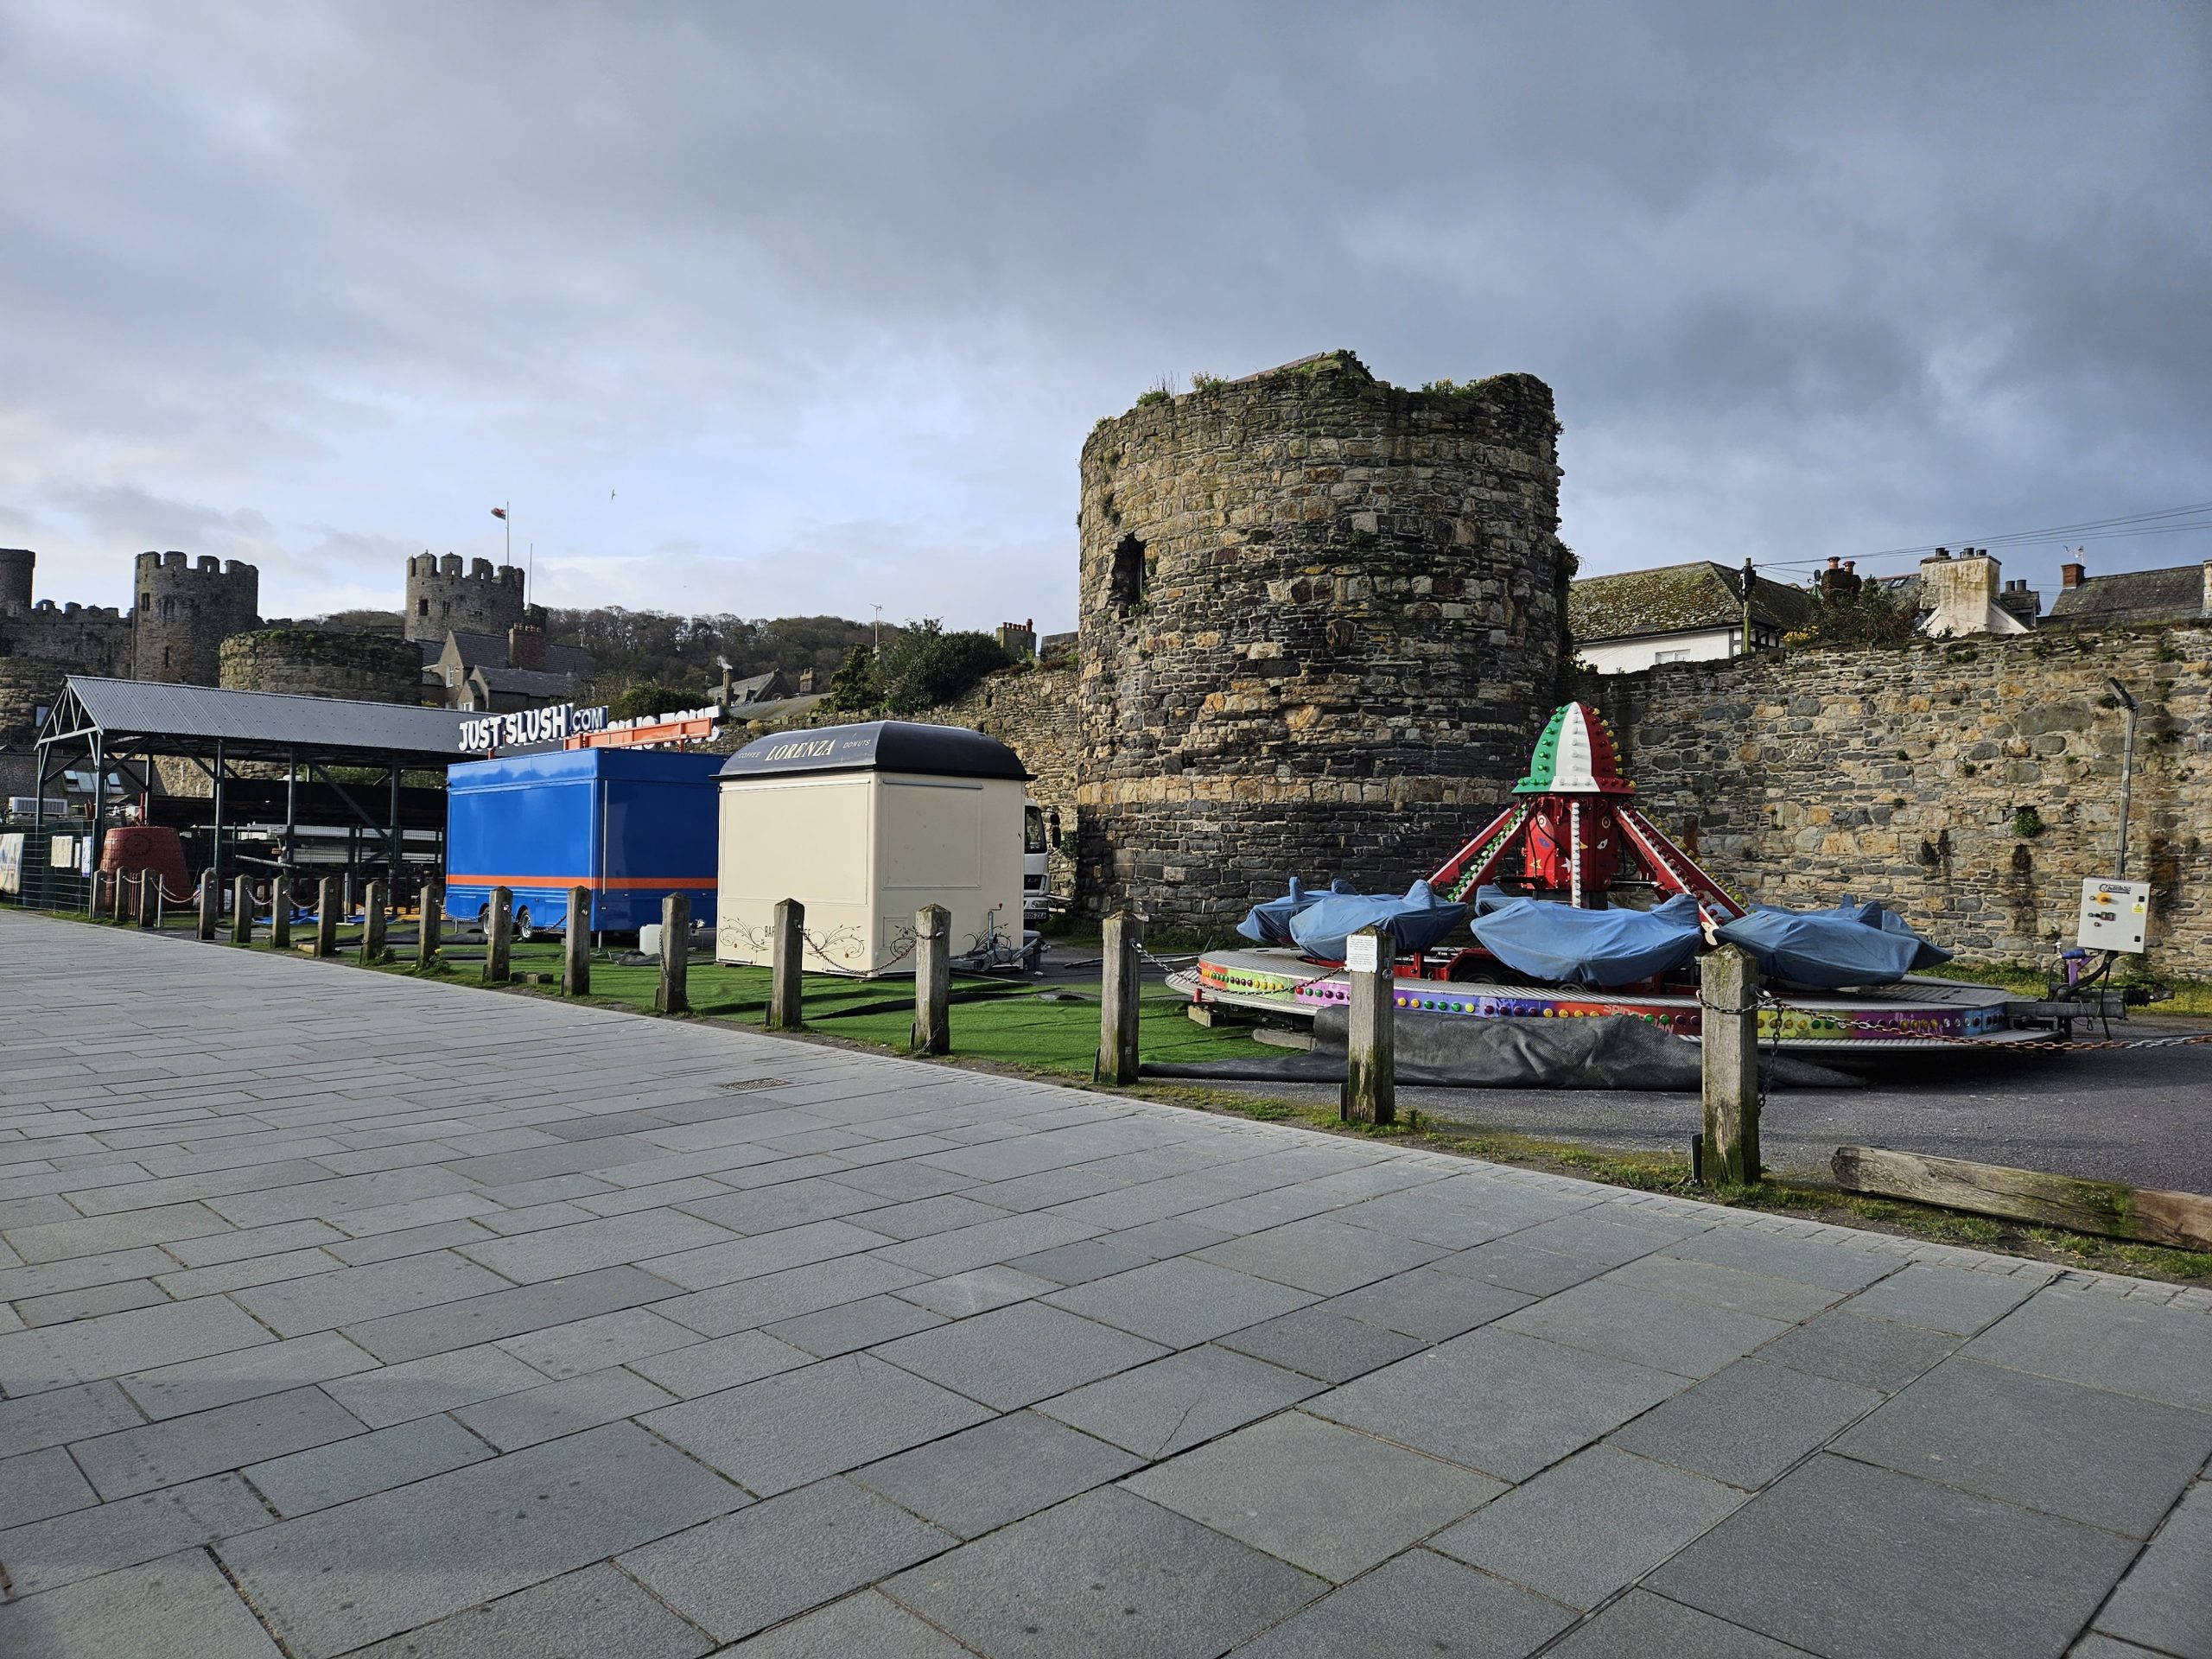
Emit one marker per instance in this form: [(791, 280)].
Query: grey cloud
[(842, 287)]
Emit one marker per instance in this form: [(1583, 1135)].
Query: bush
[(921, 667), (645, 698), (1872, 616)]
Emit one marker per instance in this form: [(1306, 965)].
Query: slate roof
[(490, 650), (255, 722), (523, 682), (1677, 599), (2176, 594), (757, 688)]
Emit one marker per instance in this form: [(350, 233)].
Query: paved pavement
[(349, 1315)]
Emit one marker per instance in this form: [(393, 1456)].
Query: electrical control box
[(2114, 914)]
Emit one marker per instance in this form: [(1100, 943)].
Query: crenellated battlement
[(185, 610), (478, 598)]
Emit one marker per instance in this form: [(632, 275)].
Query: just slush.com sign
[(530, 726)]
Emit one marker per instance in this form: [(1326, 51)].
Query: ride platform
[(1911, 1014)]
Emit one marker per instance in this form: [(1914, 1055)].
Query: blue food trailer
[(633, 825)]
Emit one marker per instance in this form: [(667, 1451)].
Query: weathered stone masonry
[(322, 663), (1971, 785), (1317, 613)]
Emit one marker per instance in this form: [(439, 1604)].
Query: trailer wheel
[(523, 929)]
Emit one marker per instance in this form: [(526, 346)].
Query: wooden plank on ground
[(2106, 1208)]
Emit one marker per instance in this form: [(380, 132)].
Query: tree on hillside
[(687, 652), (646, 698), (921, 667)]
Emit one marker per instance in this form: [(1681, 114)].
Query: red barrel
[(148, 847)]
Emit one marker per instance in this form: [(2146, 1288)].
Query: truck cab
[(1036, 856)]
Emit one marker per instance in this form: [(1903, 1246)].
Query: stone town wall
[(1970, 784), (1033, 712), (27, 684), (81, 639), (1317, 613), (322, 663)]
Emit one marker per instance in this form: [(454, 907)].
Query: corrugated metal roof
[(324, 725)]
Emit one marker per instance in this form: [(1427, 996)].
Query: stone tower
[(1321, 616), (185, 611), (17, 567), (321, 663), (440, 597)]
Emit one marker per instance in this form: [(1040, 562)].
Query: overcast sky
[(784, 308)]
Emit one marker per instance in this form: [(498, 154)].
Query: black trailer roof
[(878, 745)]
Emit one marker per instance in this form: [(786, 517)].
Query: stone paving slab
[(428, 1321)]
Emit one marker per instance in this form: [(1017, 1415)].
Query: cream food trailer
[(864, 825)]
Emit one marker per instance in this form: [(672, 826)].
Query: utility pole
[(1747, 581), (2127, 772), (878, 609)]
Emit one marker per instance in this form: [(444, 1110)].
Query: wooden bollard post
[(150, 899), (783, 965), (674, 994), (325, 917), (431, 907), (242, 910), (118, 899), (211, 903), (1370, 1092), (498, 936), (280, 909), (1728, 992), (933, 980), (576, 945), (371, 923), (1119, 988)]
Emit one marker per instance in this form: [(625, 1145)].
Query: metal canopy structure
[(108, 722)]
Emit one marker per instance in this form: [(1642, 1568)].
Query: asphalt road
[(2143, 1116)]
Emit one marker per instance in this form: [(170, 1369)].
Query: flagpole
[(507, 517)]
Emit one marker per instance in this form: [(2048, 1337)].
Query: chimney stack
[(526, 644), (2069, 576)]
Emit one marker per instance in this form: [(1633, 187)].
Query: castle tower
[(185, 611), (17, 565), (440, 597), (1318, 615)]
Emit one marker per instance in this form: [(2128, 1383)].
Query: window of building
[(1670, 657), (1126, 585)]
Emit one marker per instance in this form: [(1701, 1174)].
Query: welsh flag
[(499, 512)]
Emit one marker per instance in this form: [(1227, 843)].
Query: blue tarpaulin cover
[(1269, 923), (1416, 921), (1586, 947), (1847, 944)]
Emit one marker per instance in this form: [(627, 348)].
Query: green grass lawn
[(1010, 1022)]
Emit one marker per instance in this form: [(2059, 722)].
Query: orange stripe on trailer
[(597, 884)]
